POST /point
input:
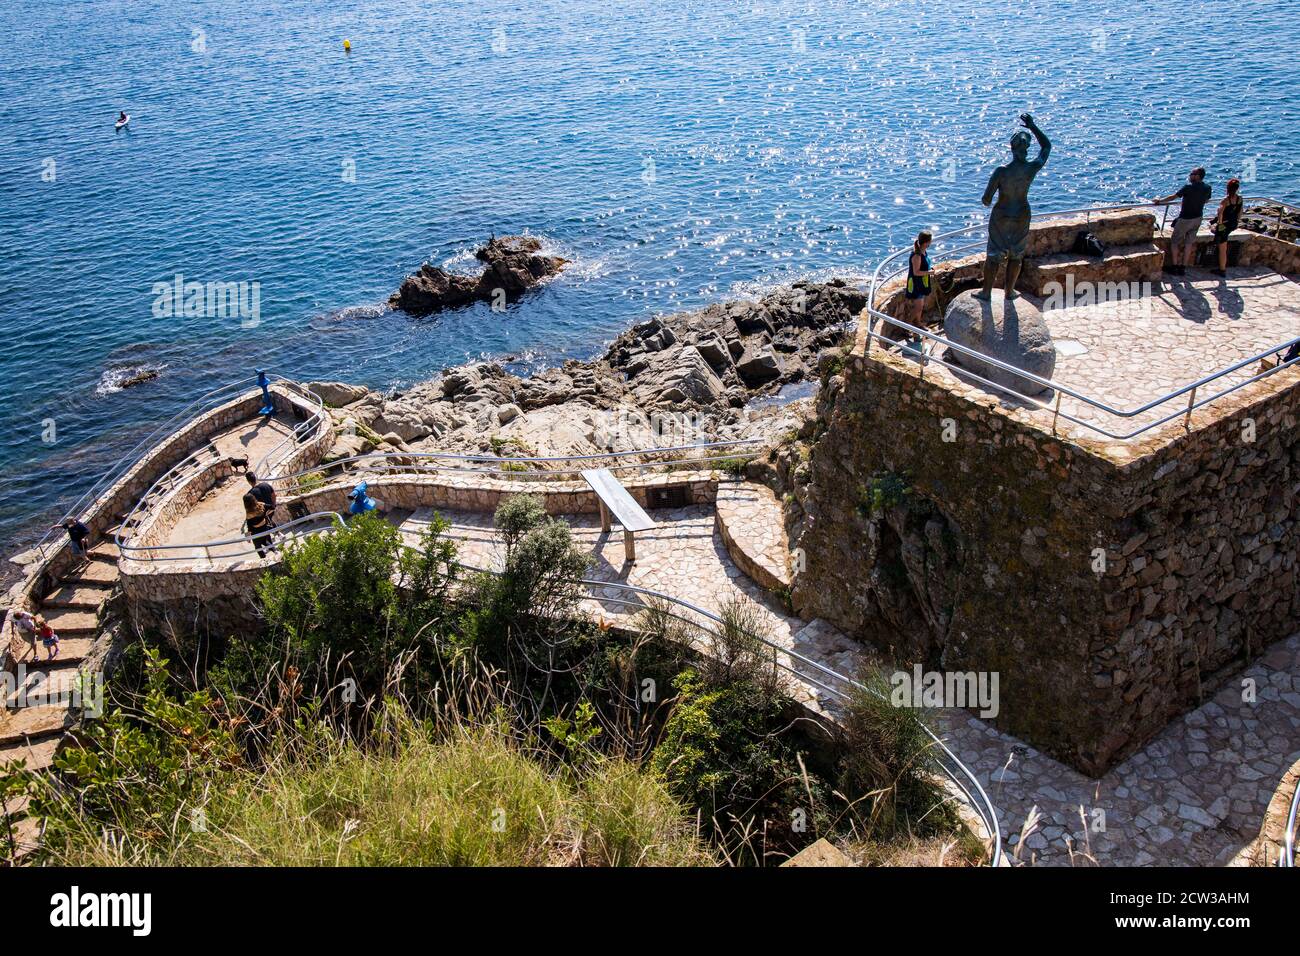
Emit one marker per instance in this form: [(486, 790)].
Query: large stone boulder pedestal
[(1013, 332)]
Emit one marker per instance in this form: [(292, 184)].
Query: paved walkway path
[(219, 514), (1194, 796), (683, 556)]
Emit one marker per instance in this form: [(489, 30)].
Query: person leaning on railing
[(1225, 221), (1182, 242)]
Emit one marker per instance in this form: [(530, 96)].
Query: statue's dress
[(1009, 221), (1008, 231)]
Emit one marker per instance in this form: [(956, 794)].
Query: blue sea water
[(679, 152)]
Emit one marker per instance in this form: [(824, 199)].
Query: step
[(752, 524), (1136, 263), (71, 623), (46, 682), (86, 597), (94, 572), (37, 755), (106, 551), (72, 650), (33, 723)]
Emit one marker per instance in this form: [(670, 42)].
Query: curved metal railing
[(827, 680), (1286, 853), (411, 462), (185, 468), (824, 678), (210, 399), (394, 463), (932, 342), (246, 543)]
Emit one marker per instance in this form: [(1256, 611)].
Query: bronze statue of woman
[(1009, 221)]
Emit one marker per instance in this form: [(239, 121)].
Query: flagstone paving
[(1126, 353)]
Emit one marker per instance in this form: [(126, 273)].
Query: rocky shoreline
[(715, 373)]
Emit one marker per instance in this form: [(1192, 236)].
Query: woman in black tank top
[(1225, 221)]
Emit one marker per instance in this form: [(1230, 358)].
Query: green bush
[(887, 767), (355, 603)]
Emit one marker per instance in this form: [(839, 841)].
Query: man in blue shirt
[(1195, 194)]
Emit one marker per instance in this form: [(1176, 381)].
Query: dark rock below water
[(513, 265), (1012, 332), (139, 378)]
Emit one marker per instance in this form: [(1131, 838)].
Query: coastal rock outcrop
[(693, 371), (512, 266)]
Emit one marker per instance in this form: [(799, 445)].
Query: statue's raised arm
[(1044, 144)]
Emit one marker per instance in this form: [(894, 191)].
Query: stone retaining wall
[(982, 553), (483, 493)]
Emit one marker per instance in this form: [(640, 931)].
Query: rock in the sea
[(1012, 332), (139, 378), (512, 265)]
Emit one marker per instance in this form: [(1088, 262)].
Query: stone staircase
[(1132, 254), (33, 733)]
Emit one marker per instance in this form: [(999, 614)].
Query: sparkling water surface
[(679, 152)]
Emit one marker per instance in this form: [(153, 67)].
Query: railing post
[(1277, 233), (1191, 400), (1056, 411)]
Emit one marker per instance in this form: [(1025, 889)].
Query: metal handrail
[(448, 456), (146, 549), (130, 458), (975, 793), (1286, 855), (171, 475), (208, 545), (982, 228), (875, 315), (401, 463)]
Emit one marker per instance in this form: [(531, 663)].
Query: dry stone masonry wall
[(1109, 596)]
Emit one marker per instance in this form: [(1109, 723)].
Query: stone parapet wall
[(475, 492), (196, 598), (981, 553), (1275, 254)]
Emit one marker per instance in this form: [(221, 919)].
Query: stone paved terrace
[(1194, 796), (1127, 353)]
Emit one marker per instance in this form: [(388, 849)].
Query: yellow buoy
[(347, 45)]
